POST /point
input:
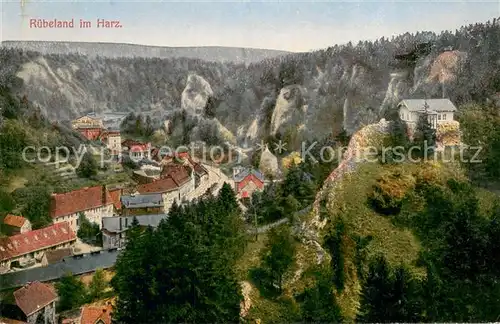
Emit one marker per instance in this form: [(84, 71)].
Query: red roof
[(24, 243), (79, 200), (158, 186), (172, 177), (116, 195), (17, 221), (34, 296), (244, 194), (250, 178), (136, 146), (91, 314)]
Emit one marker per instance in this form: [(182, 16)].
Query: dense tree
[(298, 185), (88, 232), (13, 140), (37, 206), (278, 255), (98, 285), (184, 270), (71, 292), (334, 243), (318, 303), (88, 166), (425, 135), (389, 296)]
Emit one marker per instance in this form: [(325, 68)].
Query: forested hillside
[(314, 94)]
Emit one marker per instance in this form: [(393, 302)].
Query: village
[(28, 257)]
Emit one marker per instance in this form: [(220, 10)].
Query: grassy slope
[(397, 244)]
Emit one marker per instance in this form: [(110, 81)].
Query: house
[(246, 181), (200, 172), (30, 247), (439, 111), (136, 150), (175, 184), (96, 314), (95, 203), (142, 204), (113, 141), (114, 228), (16, 224), (91, 128), (34, 303)]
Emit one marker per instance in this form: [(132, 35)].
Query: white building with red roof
[(32, 245), (136, 150), (94, 202), (175, 184)]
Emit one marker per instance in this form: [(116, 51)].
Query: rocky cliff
[(310, 94)]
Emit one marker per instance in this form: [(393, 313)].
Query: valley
[(301, 215)]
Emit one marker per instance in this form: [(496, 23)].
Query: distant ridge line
[(116, 50)]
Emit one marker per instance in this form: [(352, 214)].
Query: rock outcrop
[(195, 95), (269, 163)]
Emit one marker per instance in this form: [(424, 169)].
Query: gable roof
[(79, 200), (32, 241), (245, 173), (33, 297), (142, 201), (96, 314), (16, 221), (178, 172), (250, 178), (158, 186), (198, 168), (441, 105)]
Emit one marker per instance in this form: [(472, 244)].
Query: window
[(439, 116), (444, 116)]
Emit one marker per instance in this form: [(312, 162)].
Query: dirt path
[(246, 304)]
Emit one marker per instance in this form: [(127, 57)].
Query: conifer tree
[(425, 136), (279, 254), (319, 304)]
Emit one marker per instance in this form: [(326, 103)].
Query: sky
[(284, 25)]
